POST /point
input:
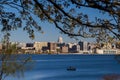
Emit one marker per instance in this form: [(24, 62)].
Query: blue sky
[(51, 33)]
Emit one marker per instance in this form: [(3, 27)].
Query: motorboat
[(71, 68)]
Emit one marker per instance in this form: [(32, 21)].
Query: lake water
[(54, 67)]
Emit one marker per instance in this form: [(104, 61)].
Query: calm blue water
[(88, 67)]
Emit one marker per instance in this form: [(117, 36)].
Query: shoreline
[(67, 54)]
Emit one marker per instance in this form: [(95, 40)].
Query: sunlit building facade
[(40, 45)]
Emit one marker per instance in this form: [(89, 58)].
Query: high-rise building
[(40, 45), (52, 47), (64, 49), (83, 45), (60, 40)]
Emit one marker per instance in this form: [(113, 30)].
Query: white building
[(39, 46), (106, 51), (60, 40), (21, 45)]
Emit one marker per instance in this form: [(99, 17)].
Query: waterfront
[(88, 67)]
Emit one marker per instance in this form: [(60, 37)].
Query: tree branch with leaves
[(66, 15)]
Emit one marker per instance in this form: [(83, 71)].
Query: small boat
[(71, 68)]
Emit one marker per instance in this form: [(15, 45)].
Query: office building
[(83, 45), (40, 46), (64, 49), (52, 47)]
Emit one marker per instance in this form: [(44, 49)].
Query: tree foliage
[(10, 62), (66, 15)]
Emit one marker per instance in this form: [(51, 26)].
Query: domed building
[(60, 40)]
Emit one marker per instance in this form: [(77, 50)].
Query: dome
[(60, 40)]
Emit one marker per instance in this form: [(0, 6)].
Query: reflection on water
[(88, 67)]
